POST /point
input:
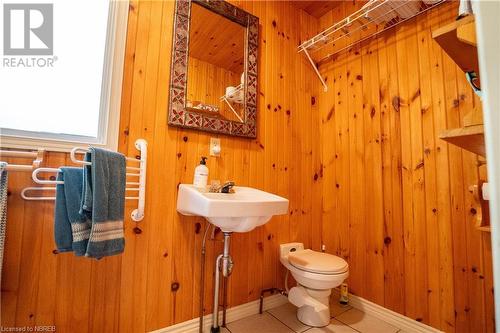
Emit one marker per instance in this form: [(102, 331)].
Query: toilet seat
[(317, 262)]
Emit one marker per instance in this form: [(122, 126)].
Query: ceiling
[(316, 8)]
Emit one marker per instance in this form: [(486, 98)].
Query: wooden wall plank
[(341, 159), (443, 208), (430, 173), (391, 174), (403, 100), (374, 226), (417, 171)]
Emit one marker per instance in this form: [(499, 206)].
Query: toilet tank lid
[(317, 262)]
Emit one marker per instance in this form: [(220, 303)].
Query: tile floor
[(283, 319)]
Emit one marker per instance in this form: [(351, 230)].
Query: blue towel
[(3, 210), (62, 226), (106, 187), (80, 224), (72, 229)]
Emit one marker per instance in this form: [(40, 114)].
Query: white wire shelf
[(236, 96), (375, 17)]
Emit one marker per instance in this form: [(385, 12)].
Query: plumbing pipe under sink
[(202, 274), (226, 268)]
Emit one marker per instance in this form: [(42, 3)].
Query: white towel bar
[(80, 150), (37, 157), (37, 180), (40, 189), (27, 189), (137, 214)]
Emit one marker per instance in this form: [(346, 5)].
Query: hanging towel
[(62, 226), (3, 210), (80, 224), (106, 187)]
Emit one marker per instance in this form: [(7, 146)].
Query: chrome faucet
[(227, 187), (216, 187)]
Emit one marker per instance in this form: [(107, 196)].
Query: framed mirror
[(213, 80)]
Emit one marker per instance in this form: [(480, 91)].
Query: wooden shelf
[(458, 40), (470, 138)]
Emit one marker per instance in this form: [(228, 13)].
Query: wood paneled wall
[(133, 292), (395, 201)]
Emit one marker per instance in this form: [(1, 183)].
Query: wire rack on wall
[(375, 17)]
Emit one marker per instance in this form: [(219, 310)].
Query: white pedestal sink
[(241, 211)]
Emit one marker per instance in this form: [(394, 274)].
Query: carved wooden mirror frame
[(178, 114)]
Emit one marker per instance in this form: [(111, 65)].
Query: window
[(61, 73)]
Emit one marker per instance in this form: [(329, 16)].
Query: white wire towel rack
[(138, 173), (375, 17), (25, 196), (37, 157)]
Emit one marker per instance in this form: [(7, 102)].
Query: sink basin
[(241, 211)]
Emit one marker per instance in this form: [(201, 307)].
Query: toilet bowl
[(316, 274)]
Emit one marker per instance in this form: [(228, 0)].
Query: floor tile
[(334, 327), (365, 323), (287, 314), (336, 308), (264, 323)]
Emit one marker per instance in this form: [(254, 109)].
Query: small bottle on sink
[(201, 174)]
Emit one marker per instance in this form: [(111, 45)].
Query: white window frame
[(111, 89)]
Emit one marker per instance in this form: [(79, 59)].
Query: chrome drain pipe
[(215, 314), (227, 268), (224, 300)]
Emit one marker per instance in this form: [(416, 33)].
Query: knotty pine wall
[(395, 201), (133, 292)]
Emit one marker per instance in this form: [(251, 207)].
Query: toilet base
[(313, 305), (308, 316)]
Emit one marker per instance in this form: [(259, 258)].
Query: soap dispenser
[(201, 174)]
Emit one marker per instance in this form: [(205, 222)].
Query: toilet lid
[(317, 262)]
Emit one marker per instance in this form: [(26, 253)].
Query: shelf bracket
[(232, 109), (325, 87)]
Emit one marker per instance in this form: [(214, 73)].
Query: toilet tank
[(290, 247)]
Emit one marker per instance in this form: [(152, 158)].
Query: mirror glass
[(216, 65)]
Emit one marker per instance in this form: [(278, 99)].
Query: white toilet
[(316, 274)]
